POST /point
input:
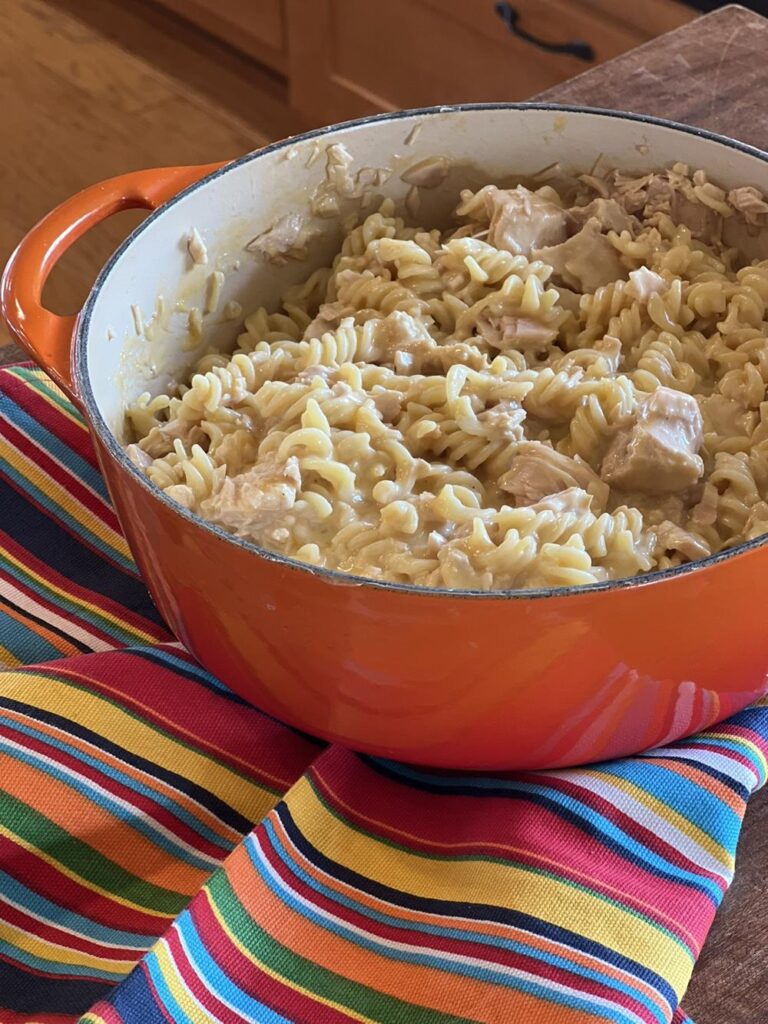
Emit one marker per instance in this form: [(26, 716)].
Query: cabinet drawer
[(350, 57), (255, 27)]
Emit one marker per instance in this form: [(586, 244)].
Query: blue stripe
[(696, 804), (217, 981), (24, 643)]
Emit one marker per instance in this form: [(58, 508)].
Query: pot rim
[(334, 576)]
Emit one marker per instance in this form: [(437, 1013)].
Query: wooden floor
[(93, 88)]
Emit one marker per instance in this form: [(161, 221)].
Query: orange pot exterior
[(460, 682), (488, 682)]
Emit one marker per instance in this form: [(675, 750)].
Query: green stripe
[(72, 853), (305, 974), (39, 381)]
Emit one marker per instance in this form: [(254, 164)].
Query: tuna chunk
[(609, 214), (255, 497), (702, 221), (328, 318), (672, 193), (538, 471), (159, 441), (644, 283), (521, 333), (522, 221), (389, 404), (573, 499), (504, 421), (586, 261), (657, 451), (750, 204)]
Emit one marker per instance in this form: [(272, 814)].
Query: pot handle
[(45, 335)]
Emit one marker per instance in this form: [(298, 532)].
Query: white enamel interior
[(483, 144)]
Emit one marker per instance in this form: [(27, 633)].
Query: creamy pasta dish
[(565, 387)]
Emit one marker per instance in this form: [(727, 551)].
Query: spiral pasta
[(564, 389)]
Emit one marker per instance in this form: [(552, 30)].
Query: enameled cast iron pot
[(457, 679)]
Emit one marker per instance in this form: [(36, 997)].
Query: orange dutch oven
[(501, 680)]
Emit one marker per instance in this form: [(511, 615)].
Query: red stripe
[(235, 734), (744, 732), (51, 933), (45, 879), (11, 1017)]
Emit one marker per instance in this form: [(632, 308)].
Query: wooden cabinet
[(352, 57), (348, 58)]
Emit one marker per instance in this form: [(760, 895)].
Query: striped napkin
[(169, 853)]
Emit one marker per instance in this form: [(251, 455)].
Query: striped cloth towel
[(134, 887)]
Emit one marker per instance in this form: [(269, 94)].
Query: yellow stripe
[(281, 977), (670, 815), (100, 613), (86, 883), (178, 988), (63, 498), (8, 659), (476, 881), (120, 727), (55, 953)]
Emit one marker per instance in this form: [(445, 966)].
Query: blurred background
[(93, 88)]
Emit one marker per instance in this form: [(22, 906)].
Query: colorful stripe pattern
[(133, 883)]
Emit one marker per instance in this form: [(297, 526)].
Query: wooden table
[(712, 73)]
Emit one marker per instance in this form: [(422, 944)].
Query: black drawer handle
[(511, 18)]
